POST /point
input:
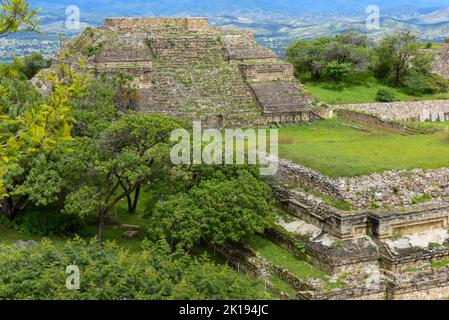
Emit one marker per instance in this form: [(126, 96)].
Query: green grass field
[(338, 148), (333, 93)]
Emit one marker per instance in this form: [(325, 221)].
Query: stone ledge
[(117, 23)]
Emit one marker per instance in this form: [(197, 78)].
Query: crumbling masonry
[(183, 67)]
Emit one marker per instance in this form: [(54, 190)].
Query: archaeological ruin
[(384, 245), (183, 67)]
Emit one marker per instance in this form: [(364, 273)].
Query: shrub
[(337, 71), (152, 273), (44, 222), (418, 84), (421, 199), (385, 95)]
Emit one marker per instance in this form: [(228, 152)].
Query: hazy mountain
[(275, 22)]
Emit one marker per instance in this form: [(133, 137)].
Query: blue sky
[(170, 7)]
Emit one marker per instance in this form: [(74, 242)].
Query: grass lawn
[(338, 148), (285, 259), (332, 93)]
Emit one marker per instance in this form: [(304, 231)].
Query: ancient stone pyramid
[(183, 67)]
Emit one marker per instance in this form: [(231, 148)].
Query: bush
[(418, 84), (111, 273), (337, 71), (43, 222), (385, 95)]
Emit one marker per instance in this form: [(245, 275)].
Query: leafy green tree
[(348, 52), (95, 111), (30, 65), (397, 55), (337, 71), (37, 130), (17, 96), (115, 166), (16, 16), (223, 207), (152, 273)]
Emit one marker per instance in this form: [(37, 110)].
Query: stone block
[(434, 116), (130, 234), (424, 116), (130, 227)]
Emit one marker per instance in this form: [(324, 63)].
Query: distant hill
[(274, 23)]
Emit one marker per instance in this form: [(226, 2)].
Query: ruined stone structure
[(432, 110), (373, 235), (183, 67), (385, 245)]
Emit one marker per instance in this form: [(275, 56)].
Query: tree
[(37, 130), (95, 111), (227, 206), (337, 71), (16, 16), (313, 57), (116, 165), (397, 55)]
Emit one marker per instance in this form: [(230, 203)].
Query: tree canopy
[(398, 60), (16, 16), (224, 206), (152, 273)]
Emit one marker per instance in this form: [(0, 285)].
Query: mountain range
[(274, 23)]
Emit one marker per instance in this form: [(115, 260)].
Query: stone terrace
[(185, 68), (432, 110)]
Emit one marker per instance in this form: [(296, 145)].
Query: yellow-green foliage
[(42, 127), (15, 16)]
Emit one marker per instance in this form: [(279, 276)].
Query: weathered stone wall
[(268, 72), (381, 223), (371, 120), (394, 188), (389, 188), (440, 65), (130, 23), (404, 110), (425, 285)]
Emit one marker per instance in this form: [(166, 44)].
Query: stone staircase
[(182, 49), (279, 97)]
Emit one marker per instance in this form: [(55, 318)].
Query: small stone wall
[(381, 223), (268, 72), (424, 285), (432, 110), (371, 120), (390, 188)]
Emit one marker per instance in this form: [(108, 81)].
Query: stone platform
[(183, 67), (397, 251)]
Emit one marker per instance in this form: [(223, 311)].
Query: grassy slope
[(286, 260), (338, 148), (332, 93)]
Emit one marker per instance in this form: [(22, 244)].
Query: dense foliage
[(16, 16), (106, 170), (154, 272), (223, 205), (330, 58), (398, 61)]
